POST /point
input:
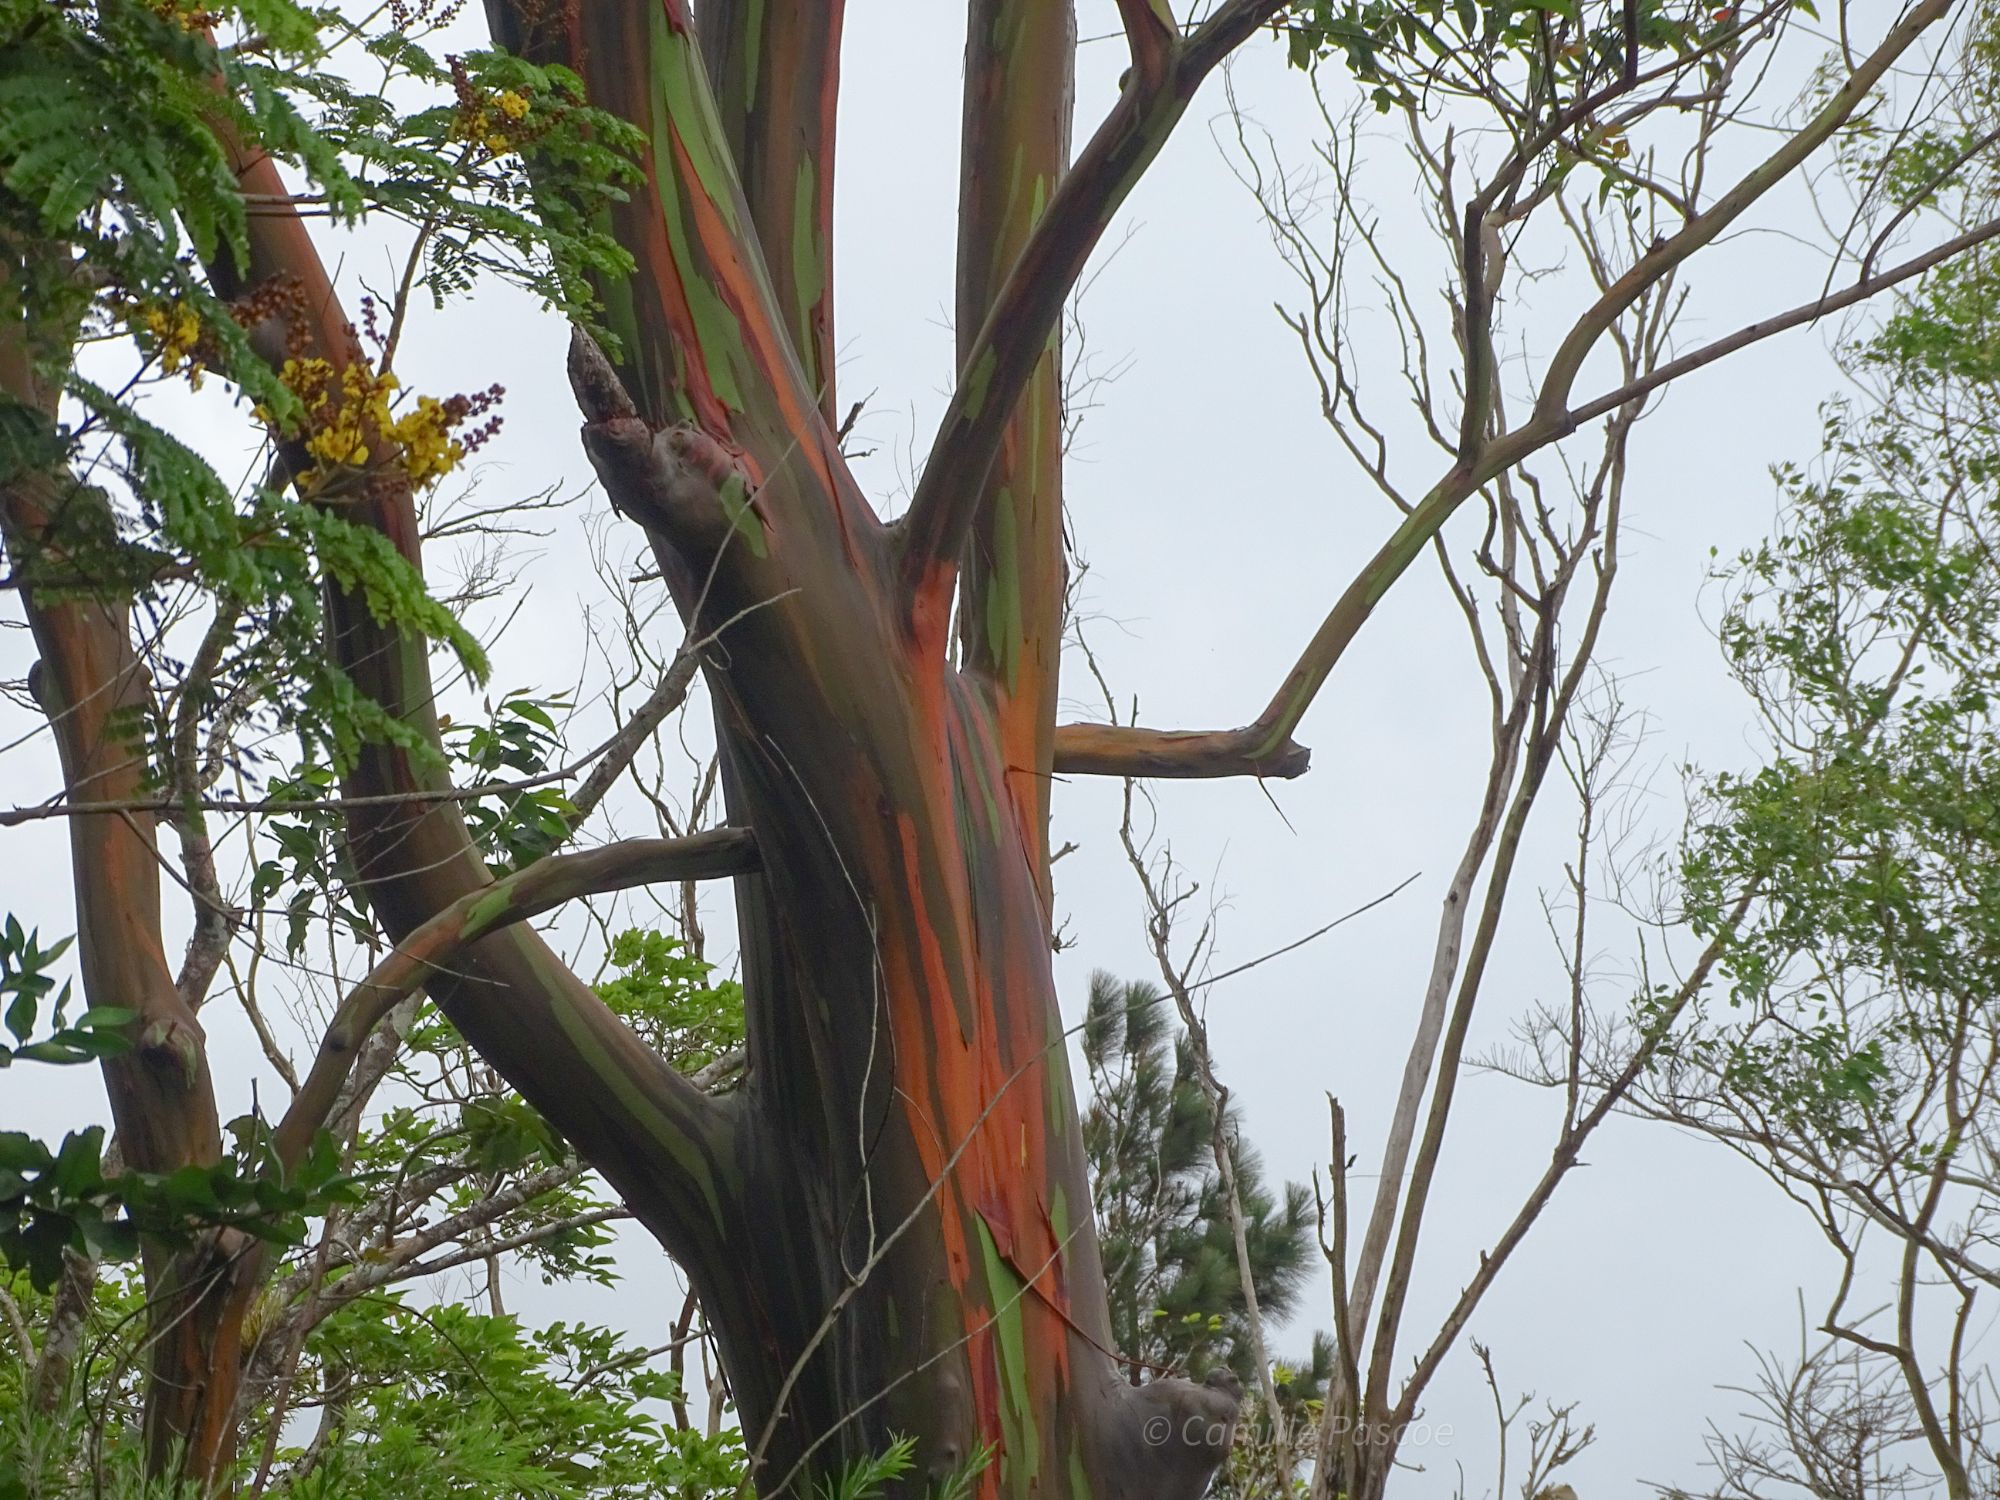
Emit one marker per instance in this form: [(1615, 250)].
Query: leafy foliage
[(422, 1403), (1854, 1059), (518, 741), (663, 993), (406, 1401), (1169, 1255), (57, 1200), (1868, 633), (25, 984), (408, 1396), (444, 1401), (116, 186), (1560, 47)]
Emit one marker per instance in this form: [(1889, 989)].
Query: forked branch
[(1113, 750), (1025, 315)]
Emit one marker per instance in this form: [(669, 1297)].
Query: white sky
[(1220, 518)]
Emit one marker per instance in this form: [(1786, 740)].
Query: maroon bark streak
[(775, 71)]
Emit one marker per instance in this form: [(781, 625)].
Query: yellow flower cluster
[(339, 431), (429, 450), (477, 122), (175, 330), (189, 15)]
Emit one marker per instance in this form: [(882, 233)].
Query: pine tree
[(1176, 1296)]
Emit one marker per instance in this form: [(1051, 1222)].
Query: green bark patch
[(736, 497), (977, 379), (1021, 1460), (1079, 1478), (691, 112), (808, 277), (1003, 590), (686, 1153)]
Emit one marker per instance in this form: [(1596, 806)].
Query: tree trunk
[(906, 1245), (95, 691), (910, 1108), (890, 1225)]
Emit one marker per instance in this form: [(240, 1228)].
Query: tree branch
[(1112, 750), (95, 691), (1024, 315), (709, 338), (1669, 253), (1125, 750), (544, 885), (1804, 313), (669, 694), (1565, 1156), (1153, 37), (1019, 97)]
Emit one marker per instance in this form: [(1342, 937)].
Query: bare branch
[(542, 886)]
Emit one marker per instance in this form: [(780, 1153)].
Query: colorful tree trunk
[(890, 1227), (898, 1238)]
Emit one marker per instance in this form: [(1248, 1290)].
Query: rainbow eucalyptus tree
[(890, 1227), (889, 1224)]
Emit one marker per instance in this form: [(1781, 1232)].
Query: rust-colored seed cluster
[(407, 15), (280, 298)]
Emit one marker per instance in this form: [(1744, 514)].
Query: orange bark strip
[(668, 276), (742, 289), (933, 1057)]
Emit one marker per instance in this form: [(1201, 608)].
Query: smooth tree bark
[(93, 688), (889, 1225)]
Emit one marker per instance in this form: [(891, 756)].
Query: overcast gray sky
[(1219, 518)]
